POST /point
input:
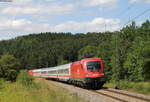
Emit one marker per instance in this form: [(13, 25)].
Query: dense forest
[(126, 53)]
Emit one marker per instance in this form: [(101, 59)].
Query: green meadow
[(26, 89)]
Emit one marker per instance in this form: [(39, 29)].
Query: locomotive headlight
[(86, 75)]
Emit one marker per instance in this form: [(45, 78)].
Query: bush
[(2, 82), (142, 87), (25, 79), (9, 67)]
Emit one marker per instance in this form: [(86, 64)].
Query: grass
[(40, 91), (139, 87)]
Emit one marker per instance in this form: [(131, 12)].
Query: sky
[(23, 17)]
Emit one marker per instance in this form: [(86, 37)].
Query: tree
[(116, 60), (87, 51), (9, 67), (138, 60), (115, 48)]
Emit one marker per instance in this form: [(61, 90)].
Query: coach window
[(43, 72), (53, 72), (63, 71), (66, 71)]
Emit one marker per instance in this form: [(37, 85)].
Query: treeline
[(49, 49), (126, 53)]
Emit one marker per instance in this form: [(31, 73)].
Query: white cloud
[(19, 10), (137, 1), (43, 12), (105, 3), (133, 1), (40, 9), (21, 26), (99, 2), (28, 7), (22, 2), (95, 25), (23, 10), (18, 27), (25, 26)]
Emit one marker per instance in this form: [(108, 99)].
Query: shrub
[(25, 79), (142, 87), (2, 82), (9, 67)]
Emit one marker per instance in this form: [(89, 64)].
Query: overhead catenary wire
[(139, 15), (121, 13), (132, 19), (125, 10), (116, 44)]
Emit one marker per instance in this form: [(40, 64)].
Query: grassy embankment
[(27, 90), (139, 87)]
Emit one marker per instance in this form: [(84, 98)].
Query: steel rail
[(132, 96), (115, 98)]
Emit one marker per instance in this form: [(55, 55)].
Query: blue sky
[(22, 17)]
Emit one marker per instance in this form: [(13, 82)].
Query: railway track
[(129, 95), (104, 95), (114, 98), (120, 96)]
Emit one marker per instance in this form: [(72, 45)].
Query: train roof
[(53, 68), (65, 65)]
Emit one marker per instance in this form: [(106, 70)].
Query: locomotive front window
[(93, 66)]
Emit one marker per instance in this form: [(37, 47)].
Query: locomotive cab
[(94, 69), (94, 72)]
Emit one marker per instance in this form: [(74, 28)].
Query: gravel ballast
[(90, 96)]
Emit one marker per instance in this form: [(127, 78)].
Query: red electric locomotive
[(87, 73)]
